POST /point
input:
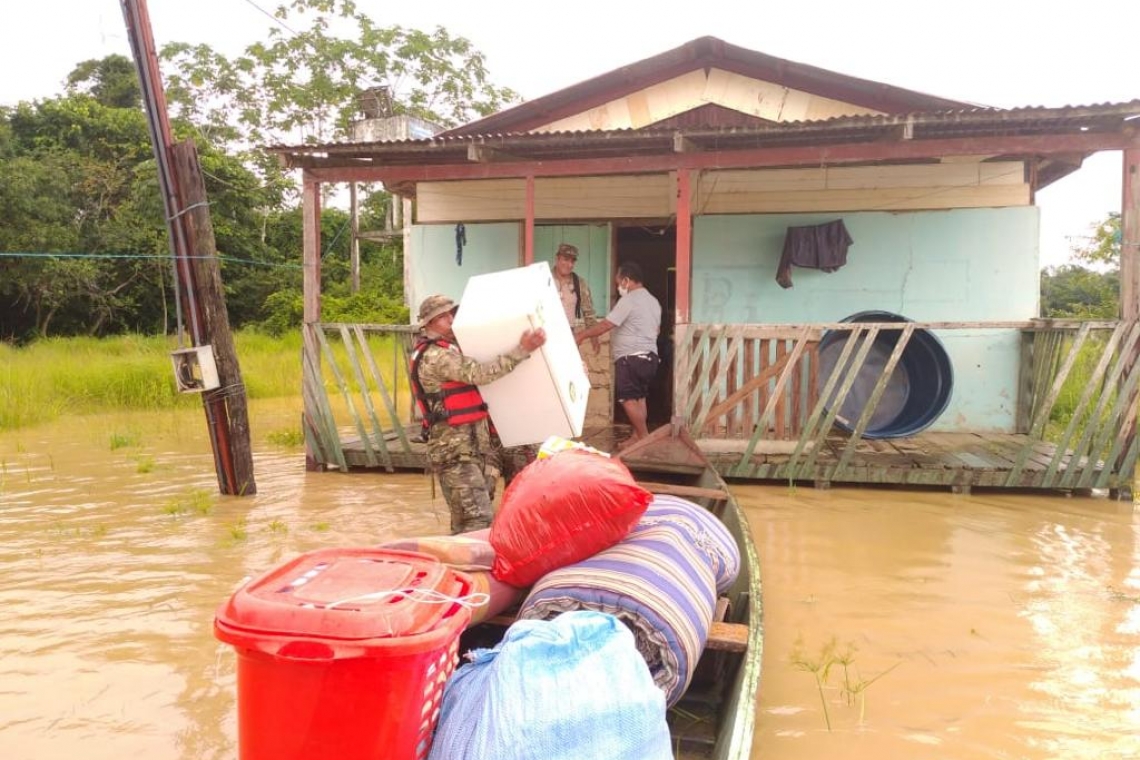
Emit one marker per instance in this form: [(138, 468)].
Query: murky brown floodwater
[(1004, 626)]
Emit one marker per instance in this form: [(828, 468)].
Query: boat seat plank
[(678, 490), (723, 637)]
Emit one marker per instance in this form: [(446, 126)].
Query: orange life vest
[(457, 403)]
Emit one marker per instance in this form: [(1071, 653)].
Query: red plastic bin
[(331, 667)]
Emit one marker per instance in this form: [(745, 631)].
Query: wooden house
[(695, 163)]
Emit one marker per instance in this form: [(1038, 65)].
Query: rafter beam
[(330, 170), (682, 144), (485, 154)]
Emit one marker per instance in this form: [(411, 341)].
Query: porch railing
[(357, 395), (757, 390)]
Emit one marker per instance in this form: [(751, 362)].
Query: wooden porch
[(759, 407)]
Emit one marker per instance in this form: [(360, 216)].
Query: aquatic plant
[(286, 438), (853, 689)]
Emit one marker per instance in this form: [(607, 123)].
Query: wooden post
[(1129, 293), (1130, 238), (528, 232), (684, 246), (311, 247), (354, 228), (226, 410)]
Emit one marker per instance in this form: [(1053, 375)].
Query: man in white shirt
[(636, 321)]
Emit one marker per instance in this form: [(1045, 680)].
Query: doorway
[(654, 249)]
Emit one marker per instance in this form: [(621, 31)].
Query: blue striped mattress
[(661, 580)]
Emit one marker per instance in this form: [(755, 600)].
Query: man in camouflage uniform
[(462, 449)]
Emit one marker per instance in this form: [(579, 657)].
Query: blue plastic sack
[(571, 688)]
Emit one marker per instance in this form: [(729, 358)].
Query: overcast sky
[(990, 52)]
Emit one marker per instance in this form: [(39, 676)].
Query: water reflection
[(996, 626)]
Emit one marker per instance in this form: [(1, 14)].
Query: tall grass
[(57, 376)]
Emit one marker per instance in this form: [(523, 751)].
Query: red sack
[(560, 510)]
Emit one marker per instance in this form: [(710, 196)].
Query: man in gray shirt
[(636, 321)]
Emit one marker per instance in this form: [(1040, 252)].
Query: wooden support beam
[(1130, 237), (311, 247), (682, 144), (332, 168), (528, 242), (684, 246), (485, 154)]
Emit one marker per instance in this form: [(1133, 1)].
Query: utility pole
[(197, 275)]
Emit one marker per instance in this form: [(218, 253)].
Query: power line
[(164, 256), (275, 20)]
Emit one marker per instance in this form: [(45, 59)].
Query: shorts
[(633, 375)]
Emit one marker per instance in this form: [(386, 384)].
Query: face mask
[(622, 291)]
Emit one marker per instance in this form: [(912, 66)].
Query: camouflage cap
[(567, 250), (432, 306)]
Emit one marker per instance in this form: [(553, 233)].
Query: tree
[(112, 81), (1105, 246), (304, 86), (1087, 292), (82, 221)]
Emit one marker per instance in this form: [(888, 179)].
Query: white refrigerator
[(545, 395)]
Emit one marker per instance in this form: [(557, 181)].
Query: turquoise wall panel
[(593, 243), (961, 265), (434, 268)]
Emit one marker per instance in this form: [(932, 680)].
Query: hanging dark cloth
[(818, 246), (460, 241)]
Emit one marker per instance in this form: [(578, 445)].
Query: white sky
[(992, 52)]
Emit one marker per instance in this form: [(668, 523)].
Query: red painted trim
[(684, 246), (528, 235), (754, 158)]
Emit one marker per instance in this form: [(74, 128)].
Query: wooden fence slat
[(777, 392), (873, 401), (1104, 377), (849, 375), (369, 452), (1091, 384), (821, 417), (348, 337), (316, 400), (378, 378), (1041, 418)]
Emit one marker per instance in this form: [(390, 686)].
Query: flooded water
[(975, 626)]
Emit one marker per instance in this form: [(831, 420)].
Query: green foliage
[(305, 86), (1104, 248), (1072, 291)]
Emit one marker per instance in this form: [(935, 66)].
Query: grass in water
[(49, 378), (144, 464), (853, 689), (289, 438), (124, 440), (194, 500)]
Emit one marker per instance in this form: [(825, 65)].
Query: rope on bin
[(425, 596)]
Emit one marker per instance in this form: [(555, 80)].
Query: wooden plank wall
[(765, 100), (861, 188)]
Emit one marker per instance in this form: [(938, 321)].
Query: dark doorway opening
[(654, 248)]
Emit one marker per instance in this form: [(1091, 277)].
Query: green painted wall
[(432, 266), (960, 265)]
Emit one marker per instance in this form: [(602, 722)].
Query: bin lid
[(344, 593)]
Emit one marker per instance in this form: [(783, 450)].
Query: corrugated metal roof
[(531, 146)]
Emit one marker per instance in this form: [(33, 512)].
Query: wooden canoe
[(715, 718)]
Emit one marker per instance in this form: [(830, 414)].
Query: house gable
[(761, 99), (787, 85)]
